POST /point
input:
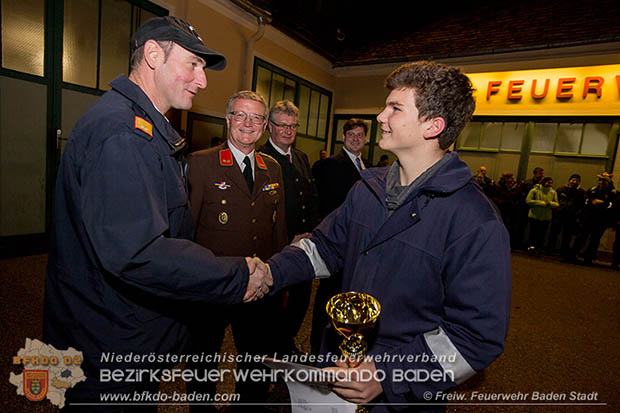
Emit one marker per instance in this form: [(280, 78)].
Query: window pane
[(304, 108), (115, 32), (263, 82), (490, 136), (277, 89), (275, 85), (141, 16), (322, 129), (289, 90), (79, 58), (595, 138), (339, 127), (22, 35), (310, 147), (569, 137), (512, 136), (313, 118), (544, 137), (74, 104), (23, 123), (471, 135), (203, 132)]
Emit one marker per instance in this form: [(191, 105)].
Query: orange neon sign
[(592, 84), (591, 90)]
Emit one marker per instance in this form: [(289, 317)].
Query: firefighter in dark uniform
[(121, 261), (301, 208), (237, 199)]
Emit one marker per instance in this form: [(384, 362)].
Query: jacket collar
[(261, 172), (450, 177), (133, 92), (453, 175)]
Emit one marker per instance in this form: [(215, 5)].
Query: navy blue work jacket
[(439, 266), (122, 261)]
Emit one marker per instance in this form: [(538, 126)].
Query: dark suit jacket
[(228, 219), (334, 176), (300, 193)]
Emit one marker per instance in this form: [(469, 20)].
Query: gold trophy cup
[(353, 315)]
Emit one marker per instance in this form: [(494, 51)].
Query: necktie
[(288, 156), (358, 163), (247, 173)]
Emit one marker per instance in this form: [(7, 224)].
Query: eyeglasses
[(239, 116), (284, 126)]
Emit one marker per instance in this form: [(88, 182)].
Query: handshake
[(260, 280)]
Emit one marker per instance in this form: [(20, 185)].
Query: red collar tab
[(226, 157), (260, 162)]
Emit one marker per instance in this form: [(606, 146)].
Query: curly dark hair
[(440, 92), (354, 123)]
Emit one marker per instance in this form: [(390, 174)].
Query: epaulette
[(266, 155), (143, 125)]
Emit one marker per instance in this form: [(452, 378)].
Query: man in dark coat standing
[(565, 217), (334, 178), (335, 175), (301, 207), (122, 261)]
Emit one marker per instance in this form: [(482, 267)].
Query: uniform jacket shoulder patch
[(143, 125)]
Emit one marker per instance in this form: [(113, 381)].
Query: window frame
[(260, 63), (526, 144), (192, 116)]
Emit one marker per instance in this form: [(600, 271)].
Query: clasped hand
[(356, 388), (260, 280)]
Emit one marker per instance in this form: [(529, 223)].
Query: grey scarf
[(396, 194)]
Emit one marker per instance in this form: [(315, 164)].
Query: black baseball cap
[(182, 33)]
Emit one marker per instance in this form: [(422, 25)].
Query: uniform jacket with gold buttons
[(302, 201), (228, 219)]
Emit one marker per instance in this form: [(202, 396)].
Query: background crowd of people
[(568, 220)]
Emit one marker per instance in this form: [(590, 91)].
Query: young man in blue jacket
[(422, 239)]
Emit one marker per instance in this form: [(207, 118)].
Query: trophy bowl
[(353, 315)]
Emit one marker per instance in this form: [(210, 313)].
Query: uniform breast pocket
[(223, 215), (271, 200)]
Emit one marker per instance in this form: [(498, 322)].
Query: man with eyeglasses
[(237, 203), (301, 207)]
